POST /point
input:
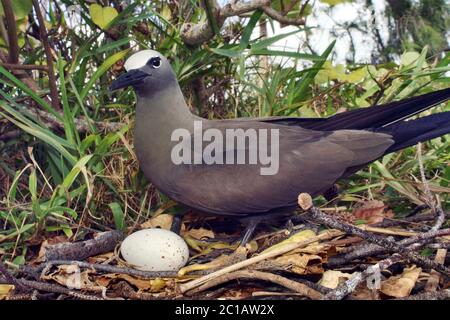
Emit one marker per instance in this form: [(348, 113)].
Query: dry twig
[(305, 202), (295, 286), (271, 254)]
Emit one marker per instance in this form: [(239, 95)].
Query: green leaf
[(108, 63), (102, 16), (118, 216), (32, 184), (106, 143), (230, 53), (41, 134), (54, 211), (281, 5), (13, 189), (210, 14), (308, 78), (69, 126), (291, 54), (334, 2), (263, 44), (246, 34), (22, 86), (87, 142), (68, 181), (408, 58), (21, 8), (19, 261)]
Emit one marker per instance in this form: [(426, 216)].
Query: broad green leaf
[(87, 142), (118, 216), (409, 58), (102, 16), (329, 72), (14, 234), (400, 187), (21, 8), (19, 261)]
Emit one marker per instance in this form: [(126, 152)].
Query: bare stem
[(48, 54)]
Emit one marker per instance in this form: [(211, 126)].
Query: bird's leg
[(176, 224), (331, 193), (249, 231)]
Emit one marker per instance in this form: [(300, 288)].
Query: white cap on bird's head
[(148, 71), (139, 59)]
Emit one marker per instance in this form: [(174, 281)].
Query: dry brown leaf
[(163, 221), (400, 286), (46, 243), (364, 293), (301, 263), (100, 258), (373, 211), (70, 276), (147, 285), (5, 290), (332, 278), (199, 234)]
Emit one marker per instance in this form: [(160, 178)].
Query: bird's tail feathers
[(383, 115), (408, 133)]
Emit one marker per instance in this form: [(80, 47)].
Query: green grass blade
[(108, 63), (118, 215), (22, 86), (246, 34)]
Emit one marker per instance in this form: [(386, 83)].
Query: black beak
[(130, 78)]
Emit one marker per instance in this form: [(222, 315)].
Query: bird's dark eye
[(155, 62)]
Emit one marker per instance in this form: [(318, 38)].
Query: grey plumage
[(310, 160)]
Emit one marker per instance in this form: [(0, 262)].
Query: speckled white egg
[(155, 250)]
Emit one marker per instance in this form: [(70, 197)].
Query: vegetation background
[(67, 164)]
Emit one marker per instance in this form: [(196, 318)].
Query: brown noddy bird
[(313, 153)]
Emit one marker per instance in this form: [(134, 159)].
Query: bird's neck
[(166, 109), (157, 117)]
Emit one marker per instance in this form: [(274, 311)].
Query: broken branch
[(305, 202), (104, 242), (194, 34)]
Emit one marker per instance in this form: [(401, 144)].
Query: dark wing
[(368, 118), (309, 161)]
